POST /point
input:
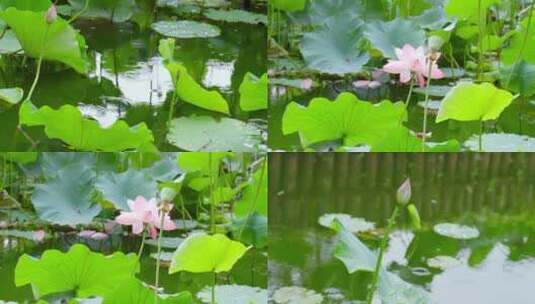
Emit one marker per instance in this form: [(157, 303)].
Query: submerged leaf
[(80, 133), (351, 224), (58, 272), (474, 102), (235, 15), (234, 294), (501, 142), (347, 118), (205, 133), (186, 29), (456, 231), (57, 41), (254, 92), (207, 253)]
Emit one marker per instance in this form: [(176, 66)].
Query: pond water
[(493, 192), (519, 118), (128, 79), (250, 270)]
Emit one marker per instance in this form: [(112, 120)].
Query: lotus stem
[(86, 6), (481, 136), (213, 288), (212, 200), (410, 93), (36, 78), (382, 249), (157, 280), (140, 251), (424, 135)]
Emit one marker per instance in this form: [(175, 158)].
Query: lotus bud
[(167, 194), (51, 14), (403, 196)]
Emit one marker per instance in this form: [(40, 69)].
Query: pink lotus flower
[(411, 61), (51, 14), (39, 235), (145, 213)]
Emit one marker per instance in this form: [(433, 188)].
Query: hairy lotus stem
[(214, 283), (158, 257), (480, 40), (410, 93), (424, 135), (382, 250), (140, 251)]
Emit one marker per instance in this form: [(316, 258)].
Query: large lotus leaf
[(347, 118), (501, 142), (9, 43), (318, 11), (234, 294), (165, 169), (254, 92), (203, 162), (57, 41), (288, 5), (11, 96), (387, 36), (521, 47), (519, 78), (472, 102), (133, 291), (205, 133), (52, 163), (401, 139), (470, 10), (333, 48), (207, 253), (191, 92), (255, 197), (114, 10), (80, 133), (80, 270), (252, 230), (235, 16), (118, 188), (26, 5), (66, 199), (186, 29)]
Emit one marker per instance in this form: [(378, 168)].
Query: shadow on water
[(493, 192)]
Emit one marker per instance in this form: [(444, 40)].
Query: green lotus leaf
[(288, 5), (57, 41), (318, 11), (251, 230), (255, 196), (254, 92), (26, 5), (333, 49), (114, 10), (80, 133), (9, 43), (474, 102), (501, 142), (190, 91), (22, 158), (118, 188), (204, 162), (186, 29), (80, 270), (387, 36), (53, 163), (167, 242), (207, 253), (202, 3), (205, 133), (350, 223), (12, 95), (66, 199), (521, 47), (519, 78), (347, 118), (234, 294), (469, 10), (235, 15), (133, 291), (401, 139)]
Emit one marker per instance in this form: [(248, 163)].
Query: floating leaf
[(165, 256), (474, 102), (186, 29), (234, 294), (205, 133), (166, 242), (501, 142), (80, 133), (207, 253), (118, 188), (66, 198), (434, 90), (57, 41), (114, 10), (456, 231), (296, 294), (333, 48), (443, 262), (351, 224), (235, 15), (58, 272), (347, 118), (254, 92), (12, 95), (387, 36)]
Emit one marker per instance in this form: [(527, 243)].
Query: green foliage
[(58, 272), (207, 253), (347, 118), (186, 29), (133, 291), (254, 92), (469, 10), (26, 5), (288, 5), (205, 133), (522, 45), (203, 162), (519, 78), (11, 96), (472, 102), (255, 195), (235, 15), (68, 124), (118, 188), (57, 41), (252, 230), (387, 36), (114, 10)]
